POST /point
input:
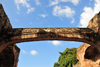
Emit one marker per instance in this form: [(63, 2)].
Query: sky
[(48, 14)]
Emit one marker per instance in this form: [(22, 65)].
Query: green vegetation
[(67, 58)]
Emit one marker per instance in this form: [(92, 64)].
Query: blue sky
[(48, 14)]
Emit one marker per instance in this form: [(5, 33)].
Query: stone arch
[(36, 34)]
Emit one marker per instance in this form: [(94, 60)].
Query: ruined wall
[(9, 56), (87, 55)]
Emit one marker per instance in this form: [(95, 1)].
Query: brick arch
[(11, 36)]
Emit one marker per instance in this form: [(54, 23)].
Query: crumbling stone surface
[(6, 58), (78, 64), (88, 56), (9, 56), (4, 20), (16, 52), (94, 23)]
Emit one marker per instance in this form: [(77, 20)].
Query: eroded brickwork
[(8, 56), (35, 34), (88, 55), (9, 36)]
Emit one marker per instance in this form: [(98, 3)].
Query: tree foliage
[(56, 64), (67, 58)]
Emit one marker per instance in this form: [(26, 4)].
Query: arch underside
[(52, 38), (37, 34)]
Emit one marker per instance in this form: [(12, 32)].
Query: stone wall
[(4, 20), (9, 56), (89, 56)]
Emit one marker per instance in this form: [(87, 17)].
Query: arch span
[(9, 35), (18, 35)]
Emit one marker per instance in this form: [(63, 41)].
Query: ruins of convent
[(88, 53)]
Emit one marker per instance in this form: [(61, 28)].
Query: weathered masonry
[(9, 36)]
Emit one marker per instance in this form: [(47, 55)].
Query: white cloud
[(75, 2), (53, 2), (66, 11), (90, 0), (73, 20), (55, 42), (30, 10), (24, 51), (17, 12), (24, 3), (43, 15), (37, 2), (72, 42), (33, 52), (16, 20), (89, 13), (49, 41), (86, 16)]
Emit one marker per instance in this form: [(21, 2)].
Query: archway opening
[(91, 53), (45, 53)]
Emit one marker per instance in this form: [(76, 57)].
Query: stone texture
[(16, 52), (35, 34), (78, 64), (94, 23), (9, 56), (4, 20), (88, 54)]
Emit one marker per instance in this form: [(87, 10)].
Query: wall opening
[(91, 53), (47, 52)]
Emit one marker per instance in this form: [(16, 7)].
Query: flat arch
[(36, 34), (57, 38), (3, 46)]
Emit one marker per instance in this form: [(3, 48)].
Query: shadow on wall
[(91, 53), (7, 57)]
